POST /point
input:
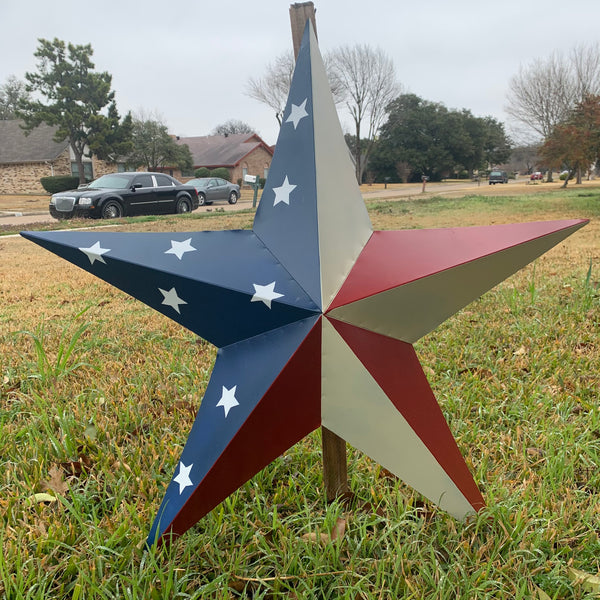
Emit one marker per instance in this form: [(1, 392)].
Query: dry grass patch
[(516, 373)]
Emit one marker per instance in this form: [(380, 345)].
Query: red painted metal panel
[(289, 411), (393, 258), (396, 368)]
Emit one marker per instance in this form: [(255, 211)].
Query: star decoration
[(265, 293), (180, 248), (282, 193), (183, 477), (228, 399), (297, 113), (172, 299), (95, 252), (336, 347)]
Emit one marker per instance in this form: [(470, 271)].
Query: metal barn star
[(316, 316)]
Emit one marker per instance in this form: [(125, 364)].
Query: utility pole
[(335, 467)]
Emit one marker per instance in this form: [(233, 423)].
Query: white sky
[(190, 61)]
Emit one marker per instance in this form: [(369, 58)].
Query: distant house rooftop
[(38, 146), (223, 151)]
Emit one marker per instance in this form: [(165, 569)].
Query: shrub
[(261, 182), (59, 183), (202, 172), (563, 176), (221, 172)]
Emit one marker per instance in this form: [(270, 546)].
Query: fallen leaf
[(90, 431), (520, 352), (541, 594), (39, 498), (56, 483), (337, 533), (590, 583)]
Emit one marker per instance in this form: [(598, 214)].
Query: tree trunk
[(357, 157), (549, 179), (79, 162), (578, 175)]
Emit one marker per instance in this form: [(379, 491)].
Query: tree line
[(395, 135)]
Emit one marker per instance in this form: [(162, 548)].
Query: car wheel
[(183, 206), (112, 210), (233, 198), (201, 199)]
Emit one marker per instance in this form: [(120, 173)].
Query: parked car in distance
[(536, 175), (498, 177), (125, 194), (214, 188)]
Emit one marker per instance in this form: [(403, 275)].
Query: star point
[(228, 399), (172, 299), (297, 113), (282, 193), (265, 294), (95, 252), (180, 248)]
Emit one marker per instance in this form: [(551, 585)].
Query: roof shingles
[(38, 146)]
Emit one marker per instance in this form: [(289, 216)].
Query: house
[(25, 159), (241, 153)]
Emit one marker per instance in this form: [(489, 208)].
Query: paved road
[(399, 191)]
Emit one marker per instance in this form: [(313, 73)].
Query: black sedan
[(214, 188), (125, 194)]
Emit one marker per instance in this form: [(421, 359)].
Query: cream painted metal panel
[(411, 310), (344, 224), (354, 407)]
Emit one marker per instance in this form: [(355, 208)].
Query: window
[(87, 170), (145, 180), (163, 180)]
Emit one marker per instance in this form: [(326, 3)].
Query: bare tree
[(543, 95), (273, 87), (586, 70), (233, 126), (368, 83), (11, 94)]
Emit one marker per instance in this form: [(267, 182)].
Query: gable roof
[(221, 150), (38, 146)]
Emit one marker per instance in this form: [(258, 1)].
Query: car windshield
[(496, 173), (110, 181), (201, 181)]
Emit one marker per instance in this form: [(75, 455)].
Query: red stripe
[(289, 411), (393, 258), (397, 370)]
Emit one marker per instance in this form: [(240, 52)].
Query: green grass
[(97, 399)]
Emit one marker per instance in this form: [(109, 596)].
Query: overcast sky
[(189, 61)]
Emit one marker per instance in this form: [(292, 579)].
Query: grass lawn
[(98, 393)]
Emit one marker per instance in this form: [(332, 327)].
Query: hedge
[(59, 183)]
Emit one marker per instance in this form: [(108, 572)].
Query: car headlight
[(85, 201)]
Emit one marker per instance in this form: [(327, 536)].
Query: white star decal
[(183, 478), (265, 293), (282, 193), (95, 252), (180, 248), (172, 299), (228, 399), (297, 113)]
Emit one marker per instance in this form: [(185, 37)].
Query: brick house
[(25, 159), (242, 154)]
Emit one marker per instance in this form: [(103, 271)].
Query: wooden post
[(335, 469), (300, 12)]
